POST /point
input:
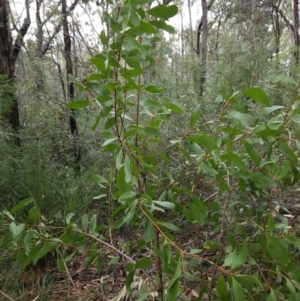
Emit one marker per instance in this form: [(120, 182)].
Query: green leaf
[(134, 64), (46, 248), (272, 296), (146, 27), (151, 131), (172, 107), (93, 224), (211, 245), (100, 64), (114, 260), (7, 239), (169, 226), (131, 43), (69, 216), (138, 2), (33, 215), (236, 160), (148, 231), (78, 104), (21, 205), (222, 289), (127, 166), (168, 205), (235, 260), (143, 263), (153, 89), (237, 290), (129, 280), (103, 38), (243, 118), (282, 79), (195, 116), (163, 25), (163, 11), (278, 249), (287, 151), (16, 230), (84, 221), (258, 95), (254, 155), (207, 142)]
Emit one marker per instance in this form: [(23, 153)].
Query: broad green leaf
[(149, 103), (172, 107), (272, 296), (34, 215), (148, 231), (21, 205), (133, 63), (153, 89), (243, 118), (163, 11), (278, 249), (103, 38), (287, 151), (195, 116), (169, 226), (262, 180), (243, 279), (173, 291), (163, 25), (99, 63), (284, 171), (7, 239), (234, 260), (16, 230), (206, 142), (130, 214), (236, 160), (78, 104), (109, 141), (31, 256), (222, 288), (282, 79), (27, 241), (69, 216), (129, 280), (84, 221), (128, 173), (207, 169), (46, 248), (238, 294), (293, 240), (151, 131), (144, 263), (268, 110), (147, 27), (93, 223), (211, 245), (131, 43), (114, 260), (254, 155), (168, 205), (258, 95)]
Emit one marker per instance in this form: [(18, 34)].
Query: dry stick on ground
[(7, 297)]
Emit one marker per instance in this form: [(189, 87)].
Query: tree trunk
[(9, 52), (191, 30), (295, 4), (203, 47), (69, 69)]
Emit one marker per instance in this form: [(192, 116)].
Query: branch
[(57, 29), (21, 34)]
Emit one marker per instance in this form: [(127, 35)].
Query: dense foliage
[(192, 181)]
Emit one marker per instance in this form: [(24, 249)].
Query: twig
[(9, 298)]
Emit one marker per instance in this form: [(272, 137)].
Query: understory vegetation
[(145, 168)]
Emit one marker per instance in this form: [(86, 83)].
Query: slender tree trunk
[(295, 4), (203, 47), (191, 30), (69, 69), (9, 52)]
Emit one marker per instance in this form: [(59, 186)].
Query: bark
[(191, 30), (69, 69), (9, 52), (296, 30), (199, 30), (204, 46)]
